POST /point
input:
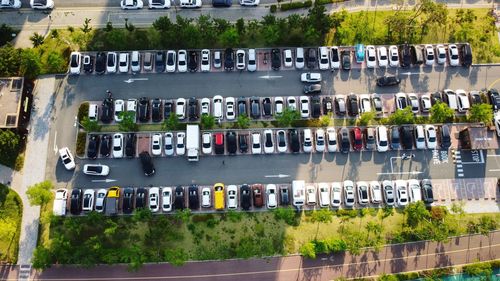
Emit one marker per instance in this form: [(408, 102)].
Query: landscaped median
[(11, 213)]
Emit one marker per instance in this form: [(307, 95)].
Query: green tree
[(36, 39), (176, 256), (323, 215), (42, 258), (243, 121), (415, 213), (441, 113), (40, 193), (55, 62), (308, 250), (183, 215), (486, 224), (10, 60), (287, 117), (6, 33), (86, 28), (9, 147), (479, 269), (285, 213), (172, 123), (367, 117), (482, 112), (89, 125), (230, 38), (128, 123), (207, 122), (30, 63), (404, 116)]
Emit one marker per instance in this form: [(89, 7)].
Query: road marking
[(56, 149), (493, 155), (329, 266), (461, 175), (106, 180), (277, 176), (410, 73), (492, 84), (460, 170), (402, 173), (270, 76), (494, 170), (131, 80)]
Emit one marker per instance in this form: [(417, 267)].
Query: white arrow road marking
[(277, 176), (106, 180), (56, 149), (135, 79), (270, 77)]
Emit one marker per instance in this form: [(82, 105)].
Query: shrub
[(295, 5), (83, 111), (10, 144), (18, 166), (286, 214), (308, 250), (273, 9), (81, 141), (202, 217)]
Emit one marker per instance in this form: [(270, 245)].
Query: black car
[(76, 201), (221, 3), (228, 59), (386, 81), (275, 59), (147, 163), (445, 137), (315, 107), (267, 107), (246, 197), (105, 145), (242, 106), (143, 109), (231, 142), (140, 198), (156, 110), (193, 197), (88, 63), (327, 105), (427, 191), (128, 200), (193, 61), (494, 97), (436, 97), (346, 60), (405, 53), (395, 138), (130, 146), (352, 105), (168, 108), (193, 109), (284, 196), (254, 107), (107, 110), (345, 144), (160, 62), (180, 200), (294, 140), (311, 58), (93, 146), (312, 89), (100, 63), (475, 97), (243, 143), (407, 137)]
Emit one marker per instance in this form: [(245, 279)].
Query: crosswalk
[(457, 159), (24, 272)]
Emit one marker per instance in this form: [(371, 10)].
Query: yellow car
[(219, 196)]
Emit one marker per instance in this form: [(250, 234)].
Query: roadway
[(391, 259)]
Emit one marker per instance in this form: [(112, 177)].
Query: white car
[(268, 142), (206, 146), (311, 195), (205, 60), (99, 200), (453, 54), (307, 144), (431, 136), (336, 195), (389, 196), (324, 60), (362, 192), (169, 143), (182, 61), (67, 158), (131, 4), (272, 196), (166, 198), (462, 100), (111, 62), (414, 190), (206, 197), (217, 107), (230, 108), (320, 140), (365, 103), (310, 77), (331, 144), (249, 2), (88, 200), (117, 145), (281, 141), (180, 148), (156, 144), (324, 195), (123, 62), (252, 60), (42, 4), (217, 59), (240, 59), (256, 147), (382, 139), (279, 105), (171, 61), (401, 101), (419, 137), (205, 106), (299, 58), (429, 55), (383, 59), (371, 57), (132, 106), (425, 103), (154, 199), (188, 4), (232, 197), (375, 192), (119, 108), (291, 103), (180, 108), (96, 170), (401, 192), (159, 4), (441, 54), (10, 4), (393, 56), (304, 106), (349, 193), (413, 102), (288, 58), (75, 61), (450, 97), (334, 57)]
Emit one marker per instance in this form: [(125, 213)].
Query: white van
[(252, 62), (93, 112), (382, 139), (299, 58), (61, 198), (135, 62), (298, 191)]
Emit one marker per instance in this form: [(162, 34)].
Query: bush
[(295, 5), (83, 111), (202, 217), (81, 141), (287, 214), (18, 166), (273, 9), (10, 144)]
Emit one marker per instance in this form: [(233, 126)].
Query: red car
[(219, 143), (357, 139)]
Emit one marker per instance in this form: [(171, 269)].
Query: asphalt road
[(391, 259)]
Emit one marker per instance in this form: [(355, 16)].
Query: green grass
[(11, 211)]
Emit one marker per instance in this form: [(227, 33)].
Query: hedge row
[(295, 5)]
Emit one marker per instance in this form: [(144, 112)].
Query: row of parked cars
[(34, 4), (165, 4), (232, 197)]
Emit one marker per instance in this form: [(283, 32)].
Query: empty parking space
[(447, 190)]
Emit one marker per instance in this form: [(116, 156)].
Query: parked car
[(294, 140), (182, 61), (362, 192), (246, 197), (427, 192), (205, 60), (96, 169), (93, 146), (299, 58), (349, 193), (389, 196), (88, 200), (193, 197), (193, 61), (240, 60), (414, 190), (275, 59), (357, 138), (346, 59), (140, 197), (375, 192), (180, 199), (75, 62), (231, 142), (105, 147), (311, 195), (107, 110), (100, 63), (206, 197), (311, 58), (154, 199), (161, 61), (99, 200), (76, 201), (128, 200), (232, 198), (156, 113), (401, 193), (228, 59), (324, 195), (284, 196), (167, 199), (258, 199), (243, 143), (206, 145)]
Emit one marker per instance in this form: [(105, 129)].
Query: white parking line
[(460, 175), (401, 173), (493, 155), (494, 170)]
